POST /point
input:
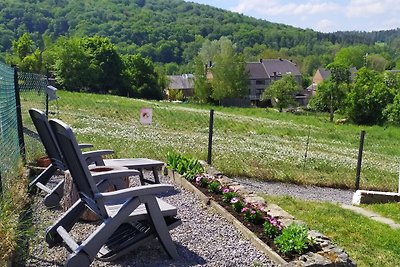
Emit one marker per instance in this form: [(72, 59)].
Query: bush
[(294, 239)]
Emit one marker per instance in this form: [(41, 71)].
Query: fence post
[(19, 117), (360, 151), (210, 134), (1, 187)]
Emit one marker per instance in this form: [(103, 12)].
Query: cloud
[(274, 7), (366, 8), (325, 25)]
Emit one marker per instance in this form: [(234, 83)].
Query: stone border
[(329, 256), (258, 243)]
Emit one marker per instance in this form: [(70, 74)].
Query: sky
[(319, 15)]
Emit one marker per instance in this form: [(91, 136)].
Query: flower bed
[(291, 240)]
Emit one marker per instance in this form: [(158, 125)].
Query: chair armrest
[(130, 192), (96, 156), (114, 174), (85, 146)]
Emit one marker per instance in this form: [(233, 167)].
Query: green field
[(252, 142), (368, 242)]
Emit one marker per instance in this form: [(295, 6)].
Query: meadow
[(259, 143)]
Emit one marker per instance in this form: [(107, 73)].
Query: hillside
[(166, 31)]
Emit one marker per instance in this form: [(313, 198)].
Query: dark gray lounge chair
[(55, 194), (128, 217)]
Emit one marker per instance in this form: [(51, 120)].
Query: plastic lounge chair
[(128, 217), (54, 195)]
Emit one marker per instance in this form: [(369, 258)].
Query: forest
[(127, 47), (172, 32)]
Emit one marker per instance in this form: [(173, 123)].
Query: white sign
[(146, 115)]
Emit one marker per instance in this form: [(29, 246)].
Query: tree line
[(89, 64), (171, 33)]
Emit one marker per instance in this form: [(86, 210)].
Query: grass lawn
[(368, 242), (389, 210), (252, 142)]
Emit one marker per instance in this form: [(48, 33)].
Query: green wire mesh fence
[(9, 153)]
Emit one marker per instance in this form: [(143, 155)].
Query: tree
[(105, 64), (72, 64), (326, 91), (229, 73), (282, 92), (340, 74), (141, 78), (369, 98), (352, 56), (202, 88)]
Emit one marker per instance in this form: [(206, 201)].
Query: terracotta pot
[(43, 162)]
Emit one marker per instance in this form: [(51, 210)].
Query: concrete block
[(369, 197)]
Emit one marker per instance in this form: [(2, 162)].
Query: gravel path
[(203, 239), (314, 193)]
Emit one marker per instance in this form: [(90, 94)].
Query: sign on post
[(146, 115)]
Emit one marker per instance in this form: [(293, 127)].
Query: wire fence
[(9, 153), (247, 142)]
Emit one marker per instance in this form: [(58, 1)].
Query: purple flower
[(234, 200), (226, 190)]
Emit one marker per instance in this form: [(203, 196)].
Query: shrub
[(237, 204), (253, 215), (294, 239), (186, 166), (214, 187), (272, 227), (227, 195)]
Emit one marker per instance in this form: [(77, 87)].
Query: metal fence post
[(1, 187), (360, 151), (19, 117), (210, 135)]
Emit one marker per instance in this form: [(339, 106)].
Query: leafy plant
[(214, 187), (272, 227), (227, 195), (237, 204), (253, 215), (294, 239), (186, 166)]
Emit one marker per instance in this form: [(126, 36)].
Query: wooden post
[(19, 117), (210, 135), (359, 161)]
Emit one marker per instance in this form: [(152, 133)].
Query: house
[(180, 83), (262, 73)]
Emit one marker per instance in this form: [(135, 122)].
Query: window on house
[(260, 82)]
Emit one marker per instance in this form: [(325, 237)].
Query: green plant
[(293, 239), (252, 214), (186, 166), (237, 204), (272, 227), (227, 195), (214, 187)]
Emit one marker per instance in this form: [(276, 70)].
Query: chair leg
[(67, 221), (43, 178), (160, 226), (155, 174), (53, 199)]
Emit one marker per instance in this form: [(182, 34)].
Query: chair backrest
[(42, 126), (77, 166)]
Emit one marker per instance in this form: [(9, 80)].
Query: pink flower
[(226, 190), (245, 209), (234, 200)]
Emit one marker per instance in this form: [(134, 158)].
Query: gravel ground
[(203, 239), (303, 192)]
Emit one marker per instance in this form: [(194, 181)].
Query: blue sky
[(320, 15)]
